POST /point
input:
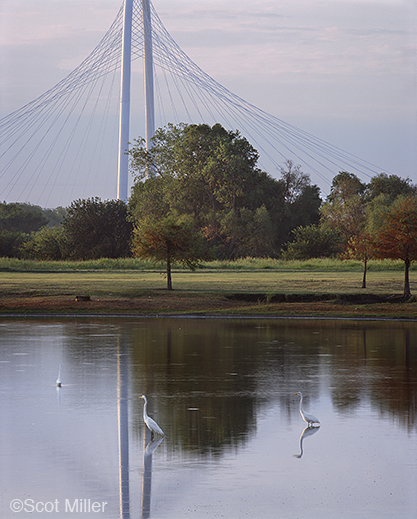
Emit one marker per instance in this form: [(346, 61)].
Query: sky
[(343, 70)]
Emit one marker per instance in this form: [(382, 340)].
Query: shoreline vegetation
[(247, 287)]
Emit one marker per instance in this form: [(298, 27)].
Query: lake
[(235, 444)]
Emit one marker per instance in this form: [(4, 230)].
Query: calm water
[(235, 444)]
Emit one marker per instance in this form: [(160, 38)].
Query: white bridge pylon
[(61, 146), (123, 163)]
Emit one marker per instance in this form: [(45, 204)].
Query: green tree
[(46, 244), (397, 237), (169, 240), (211, 175), (344, 209), (55, 216), (389, 185), (312, 241), (257, 237), (344, 186), (11, 244), (301, 201), (97, 229), (21, 217), (204, 172)]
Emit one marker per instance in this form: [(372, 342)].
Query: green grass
[(135, 278), (17, 265), (322, 265), (134, 283)]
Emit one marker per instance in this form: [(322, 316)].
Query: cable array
[(64, 143)]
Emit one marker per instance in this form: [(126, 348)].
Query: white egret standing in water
[(307, 417), (58, 380), (150, 423)]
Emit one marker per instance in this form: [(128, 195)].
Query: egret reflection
[(58, 380), (149, 449), (308, 431), (58, 394)]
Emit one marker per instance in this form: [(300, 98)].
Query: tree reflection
[(207, 379), (209, 393), (381, 375)]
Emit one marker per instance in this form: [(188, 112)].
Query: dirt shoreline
[(202, 305)]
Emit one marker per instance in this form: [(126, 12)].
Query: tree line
[(198, 194), (363, 221)]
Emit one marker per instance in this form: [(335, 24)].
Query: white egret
[(150, 423), (311, 420), (58, 380)]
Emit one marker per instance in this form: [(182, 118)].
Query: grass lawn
[(134, 283), (220, 288)]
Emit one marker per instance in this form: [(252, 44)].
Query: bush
[(46, 244), (95, 229), (11, 243), (313, 241)]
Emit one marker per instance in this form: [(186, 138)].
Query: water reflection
[(58, 380), (149, 449), (221, 390), (308, 431), (123, 427), (58, 394)]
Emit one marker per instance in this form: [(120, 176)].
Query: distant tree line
[(198, 194), (87, 229), (19, 222)]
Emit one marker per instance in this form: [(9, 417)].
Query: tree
[(397, 238), (344, 186), (20, 221), (390, 185), (301, 200), (344, 209), (45, 244), (203, 171), (169, 240), (11, 244), (55, 216), (21, 217), (360, 247), (312, 241), (95, 229), (257, 238), (211, 175)]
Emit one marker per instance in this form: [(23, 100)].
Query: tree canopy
[(97, 229), (21, 217), (397, 237), (169, 240), (211, 175), (389, 185)]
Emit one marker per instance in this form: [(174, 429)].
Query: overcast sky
[(344, 70)]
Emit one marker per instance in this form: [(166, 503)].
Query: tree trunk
[(169, 280), (365, 263), (407, 291)]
